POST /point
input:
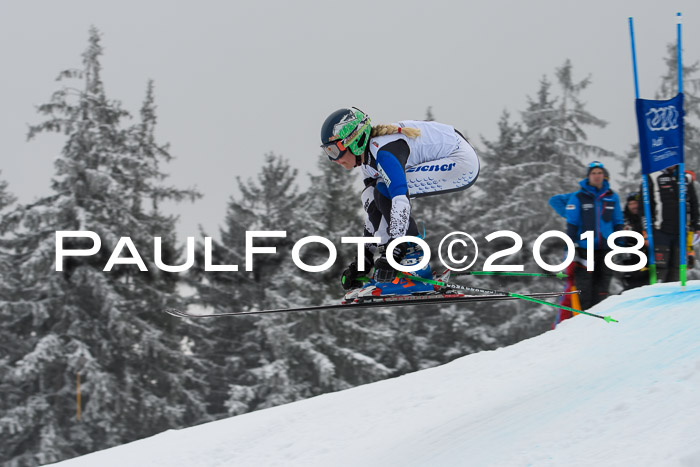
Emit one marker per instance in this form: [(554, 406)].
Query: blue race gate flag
[(660, 125)]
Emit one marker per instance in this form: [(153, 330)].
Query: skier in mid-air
[(404, 160)]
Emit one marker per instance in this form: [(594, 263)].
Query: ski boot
[(352, 295), (351, 274), (401, 285)]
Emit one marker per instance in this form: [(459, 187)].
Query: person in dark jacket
[(595, 208), (634, 221), (664, 213)]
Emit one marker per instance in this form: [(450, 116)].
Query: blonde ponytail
[(382, 130)]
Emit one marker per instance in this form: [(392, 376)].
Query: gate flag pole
[(645, 185), (681, 172)]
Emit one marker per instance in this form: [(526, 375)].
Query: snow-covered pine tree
[(7, 199), (269, 203), (9, 292), (543, 155), (6, 289), (137, 379), (246, 352)]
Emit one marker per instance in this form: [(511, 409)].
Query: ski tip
[(175, 312), (562, 275), (610, 320)]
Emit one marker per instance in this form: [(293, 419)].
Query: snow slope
[(588, 394)]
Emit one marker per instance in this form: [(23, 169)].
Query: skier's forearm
[(400, 216)]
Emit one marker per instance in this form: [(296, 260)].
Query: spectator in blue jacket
[(595, 207)]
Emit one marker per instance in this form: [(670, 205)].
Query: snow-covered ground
[(590, 393)]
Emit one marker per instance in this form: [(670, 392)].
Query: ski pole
[(559, 275), (503, 292)]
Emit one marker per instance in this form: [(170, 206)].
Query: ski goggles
[(595, 165), (334, 150)]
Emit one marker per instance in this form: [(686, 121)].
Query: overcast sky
[(235, 80)]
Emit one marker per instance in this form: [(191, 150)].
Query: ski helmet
[(345, 129)]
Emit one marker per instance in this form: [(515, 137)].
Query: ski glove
[(383, 272), (349, 278)]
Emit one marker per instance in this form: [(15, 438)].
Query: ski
[(373, 302)]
